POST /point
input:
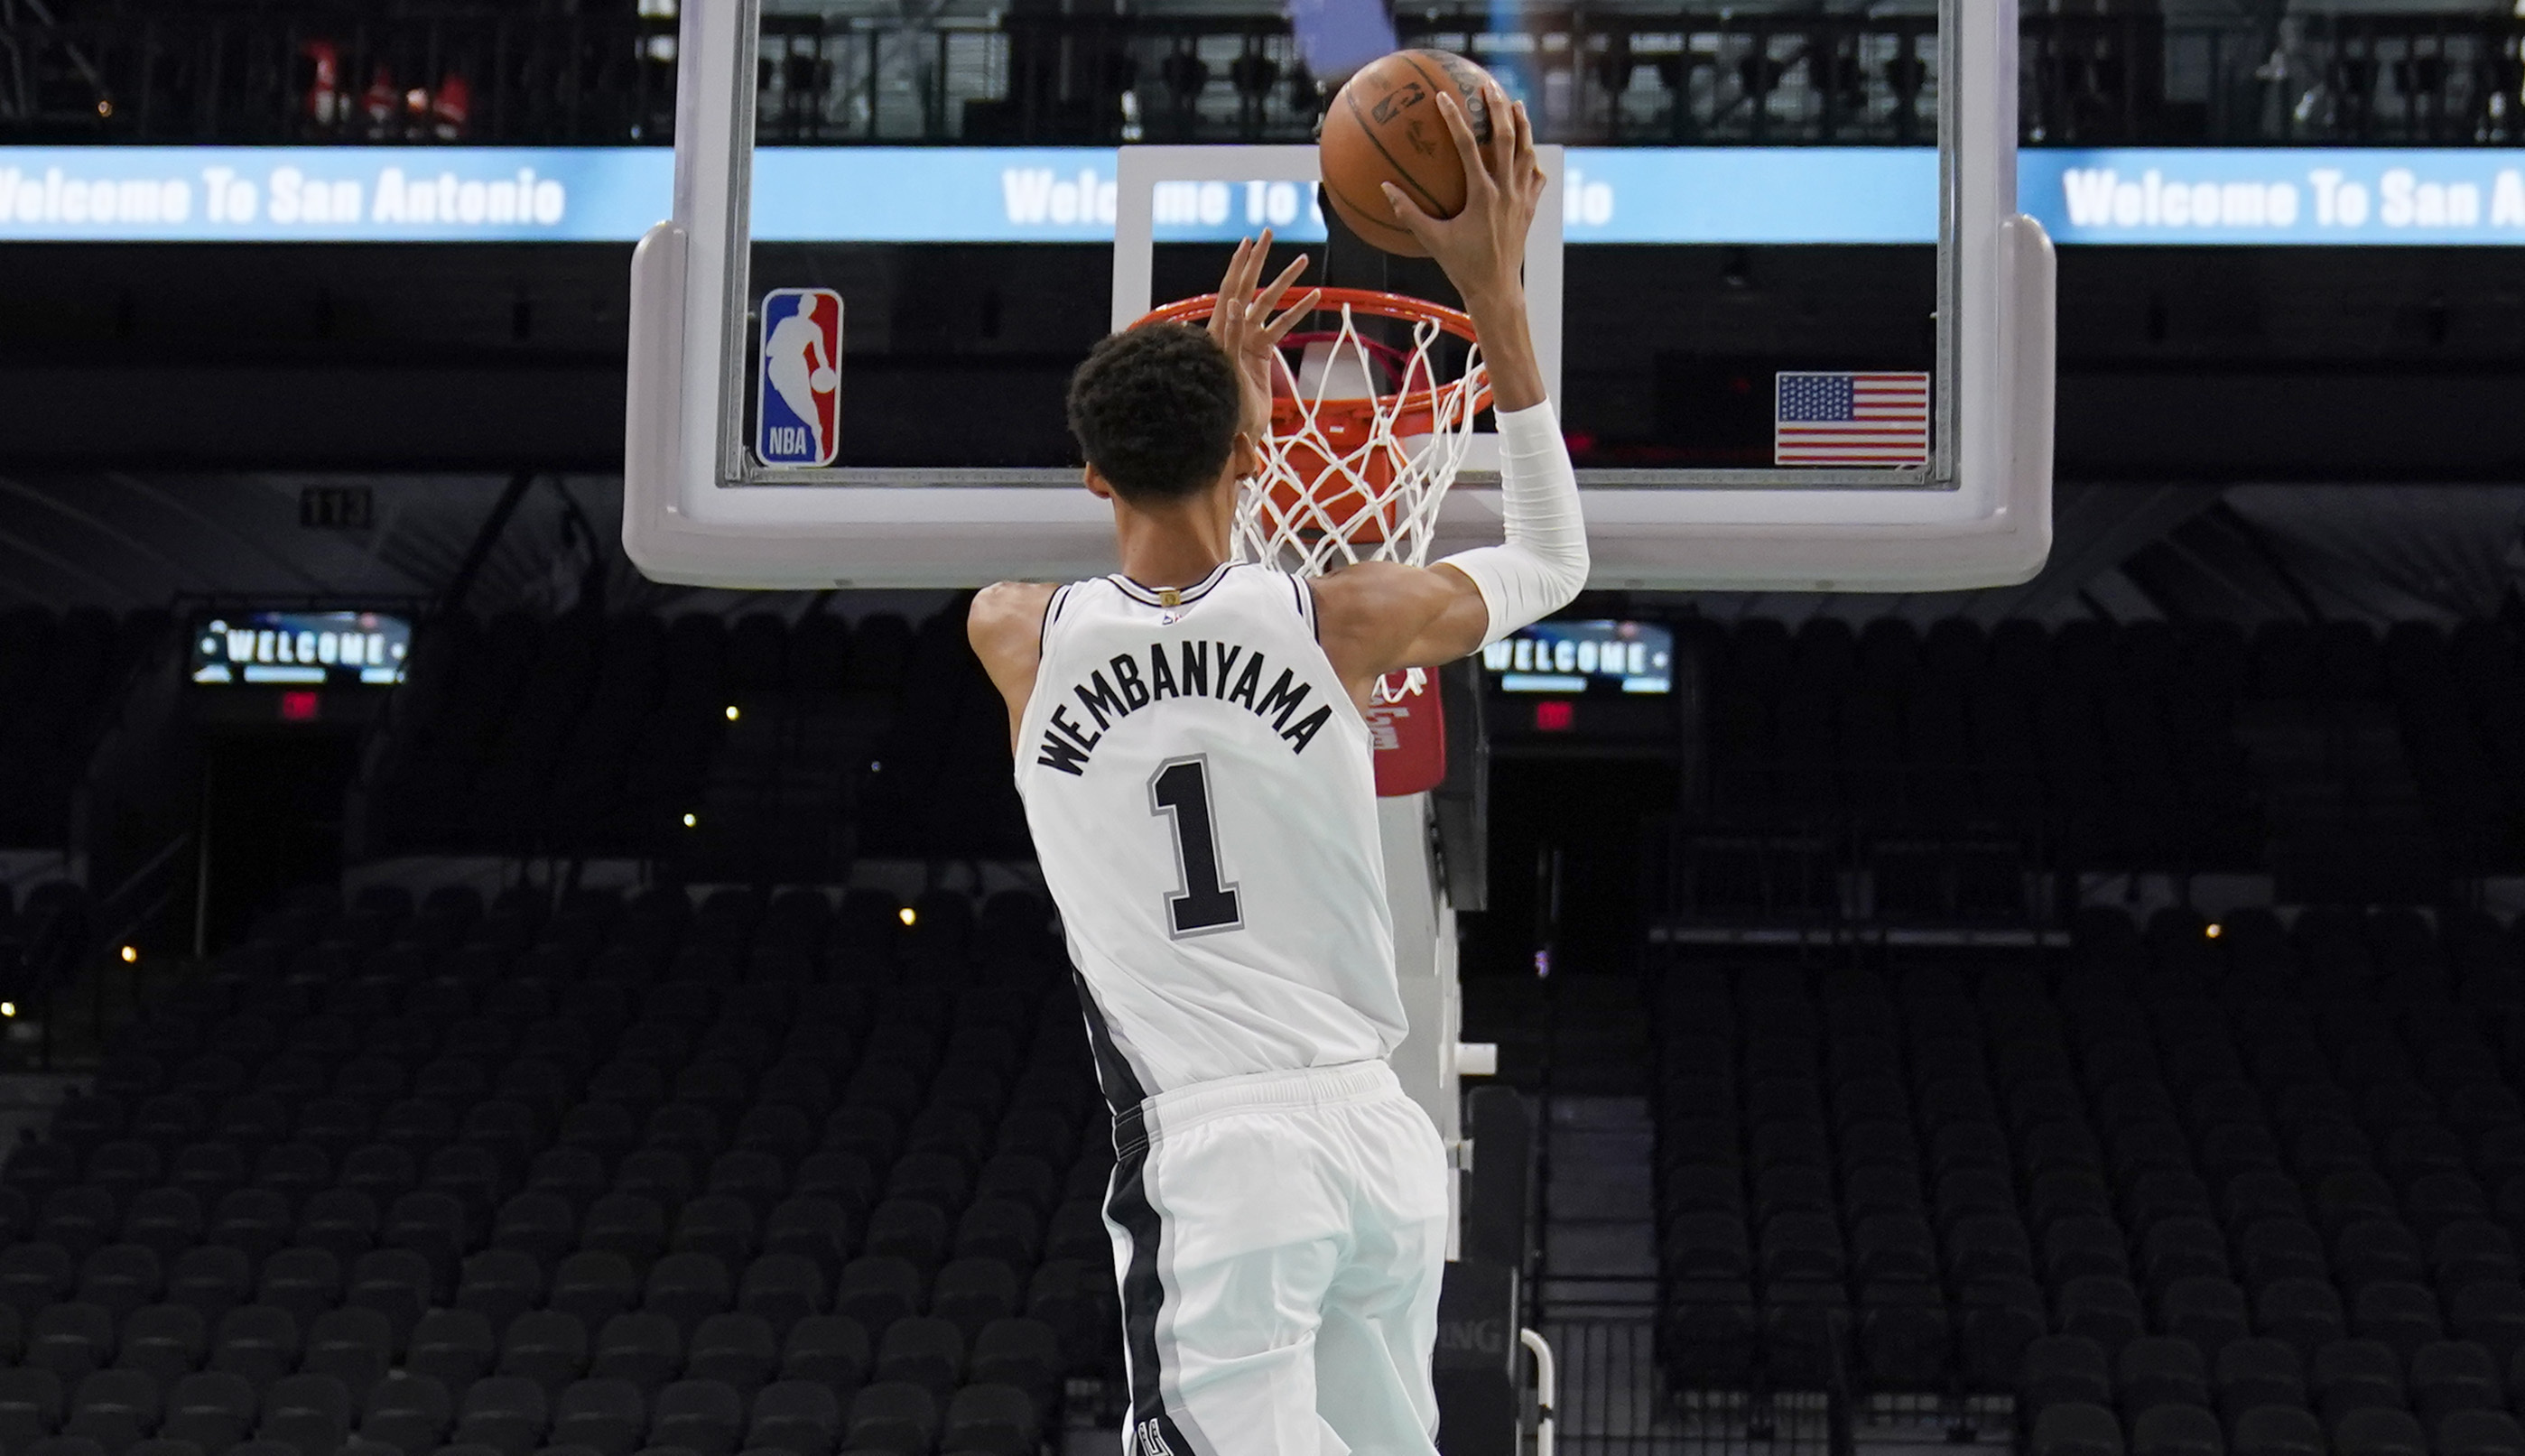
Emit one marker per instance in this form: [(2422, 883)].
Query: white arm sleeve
[(1541, 566)]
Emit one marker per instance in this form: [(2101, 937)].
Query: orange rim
[(1367, 301)]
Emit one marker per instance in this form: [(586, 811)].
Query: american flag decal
[(1850, 419)]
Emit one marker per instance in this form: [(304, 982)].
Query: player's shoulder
[(1008, 614), (1002, 598), (1370, 587)]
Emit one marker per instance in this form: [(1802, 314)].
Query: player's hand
[(1250, 324), (1482, 248)]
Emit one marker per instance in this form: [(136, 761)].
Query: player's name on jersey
[(1220, 671)]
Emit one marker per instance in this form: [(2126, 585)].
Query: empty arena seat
[(892, 1416), (452, 1346), (607, 1415), (1020, 1353), (213, 1410), (877, 1290), (500, 1285), (593, 1285), (2077, 1429), (795, 1416), (2478, 1433), (702, 1416), (355, 1346), (115, 1408), (2156, 1371), (2379, 1432), (994, 1420), (507, 1414), (2101, 1308), (924, 1351), (2277, 1431), (2491, 1314), (545, 1346), (2249, 1374), (832, 1350), (163, 1340), (2062, 1369), (645, 1349), (309, 1414), (2450, 1375), (2354, 1375), (783, 1288), (1905, 1336), (412, 1415), (737, 1351), (2176, 1429), (2306, 1313), (2001, 1320), (70, 1340)]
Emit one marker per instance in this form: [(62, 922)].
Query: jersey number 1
[(1182, 790)]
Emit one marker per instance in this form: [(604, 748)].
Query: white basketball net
[(1345, 472)]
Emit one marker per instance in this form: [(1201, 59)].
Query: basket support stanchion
[(1546, 1389)]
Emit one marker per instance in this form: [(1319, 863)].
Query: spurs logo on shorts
[(1153, 1442)]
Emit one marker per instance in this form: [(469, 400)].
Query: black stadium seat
[(795, 1416), (2176, 1429), (703, 1416), (2478, 1433), (832, 1350), (737, 1351), (2251, 1374), (210, 1409), (355, 1346), (454, 1346), (992, 1420), (309, 1414), (545, 1346), (115, 1408), (892, 1416), (2077, 1429), (70, 1340), (412, 1414), (606, 1416), (507, 1414), (2160, 1371), (644, 1349), (500, 1285)]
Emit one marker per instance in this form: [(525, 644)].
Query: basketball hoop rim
[(1369, 301)]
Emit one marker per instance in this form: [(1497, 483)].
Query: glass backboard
[(1893, 433)]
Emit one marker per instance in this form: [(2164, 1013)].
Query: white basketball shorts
[(1279, 1240)]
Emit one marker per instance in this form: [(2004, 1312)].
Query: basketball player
[(1197, 774)]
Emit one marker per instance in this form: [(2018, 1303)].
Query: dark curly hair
[(1156, 409)]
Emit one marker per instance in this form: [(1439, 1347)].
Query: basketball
[(1384, 126)]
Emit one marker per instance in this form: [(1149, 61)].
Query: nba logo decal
[(798, 392)]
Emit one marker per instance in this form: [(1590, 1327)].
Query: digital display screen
[(316, 649), (1575, 656), (1693, 195)]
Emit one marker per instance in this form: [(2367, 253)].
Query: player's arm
[(1379, 617), (1006, 628)]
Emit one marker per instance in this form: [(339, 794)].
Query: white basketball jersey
[(1203, 804)]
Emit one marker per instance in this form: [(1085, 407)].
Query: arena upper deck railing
[(1599, 76)]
